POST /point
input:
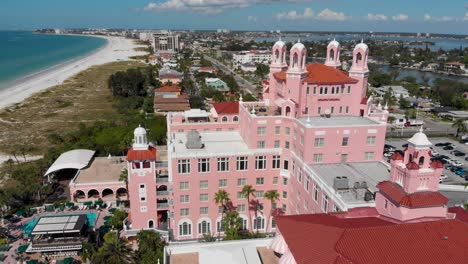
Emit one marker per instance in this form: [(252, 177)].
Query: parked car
[(448, 148), (466, 158), (443, 178), (460, 172), (388, 154), (459, 154), (388, 147), (441, 144), (435, 153), (457, 163), (405, 145), (451, 144)]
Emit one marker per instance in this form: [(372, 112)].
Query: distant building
[(248, 67), (217, 83), (206, 70), (170, 98), (453, 66), (396, 90), (165, 41), (169, 75), (251, 57)]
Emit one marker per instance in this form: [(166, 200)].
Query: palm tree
[(89, 251), (221, 198), (460, 125), (272, 196), (248, 191), (114, 251)]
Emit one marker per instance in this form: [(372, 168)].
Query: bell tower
[(296, 72), (333, 54), (278, 57), (359, 69), (412, 192)]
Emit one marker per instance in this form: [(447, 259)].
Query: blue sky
[(312, 15)]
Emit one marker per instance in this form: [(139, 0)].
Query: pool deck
[(16, 229)]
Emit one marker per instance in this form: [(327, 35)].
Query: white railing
[(454, 188), (285, 173), (162, 193), (162, 205), (162, 180)]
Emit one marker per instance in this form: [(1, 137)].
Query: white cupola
[(140, 141)]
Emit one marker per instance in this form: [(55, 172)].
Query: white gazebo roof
[(73, 159), (420, 139)]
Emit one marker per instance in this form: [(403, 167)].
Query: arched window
[(235, 118), (303, 60), (225, 119), (185, 229), (276, 55), (219, 226), (326, 90), (204, 227), (150, 224), (358, 57), (332, 54), (259, 223), (410, 157), (421, 161), (333, 90), (295, 60)]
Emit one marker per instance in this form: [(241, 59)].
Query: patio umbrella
[(287, 258), (112, 210), (88, 203), (68, 260), (32, 261), (107, 217), (22, 248), (70, 204), (98, 202), (104, 228), (278, 245)]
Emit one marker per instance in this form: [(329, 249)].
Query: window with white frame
[(222, 183), (259, 223), (286, 145), (277, 144), (284, 207), (307, 183), (241, 181), (261, 131), (259, 194), (371, 140), (285, 181), (204, 184), (223, 164), (316, 193), (203, 197), (224, 119), (325, 203), (306, 204), (184, 211), (261, 144), (204, 165), (203, 210), (285, 194), (369, 155), (235, 118), (276, 162), (204, 227), (287, 130), (277, 130), (219, 226), (299, 175), (183, 166), (286, 164), (242, 163), (273, 223), (240, 208), (318, 157), (143, 209), (185, 229), (319, 142), (184, 185), (275, 180), (241, 195), (260, 181), (260, 163), (185, 198), (347, 109)]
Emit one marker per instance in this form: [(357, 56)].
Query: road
[(430, 127), (243, 83)]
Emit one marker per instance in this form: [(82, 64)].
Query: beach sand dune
[(116, 49)]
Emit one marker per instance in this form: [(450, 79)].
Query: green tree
[(460, 124), (232, 223), (117, 219), (272, 196), (248, 191), (88, 252), (404, 103), (221, 198), (150, 247), (115, 250)]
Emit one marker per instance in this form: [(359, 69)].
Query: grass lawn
[(84, 97)]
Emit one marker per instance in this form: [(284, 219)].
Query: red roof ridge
[(227, 107)]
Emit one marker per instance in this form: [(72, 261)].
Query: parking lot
[(452, 177)]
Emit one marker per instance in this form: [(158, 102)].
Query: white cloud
[(427, 17), (252, 18), (400, 17), (308, 13), (206, 6), (465, 18), (377, 17)]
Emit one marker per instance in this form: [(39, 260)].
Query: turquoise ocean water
[(23, 53)]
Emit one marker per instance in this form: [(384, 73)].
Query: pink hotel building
[(315, 138)]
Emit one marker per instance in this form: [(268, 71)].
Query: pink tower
[(141, 162), (412, 192), (278, 59), (333, 54), (359, 69), (295, 76)]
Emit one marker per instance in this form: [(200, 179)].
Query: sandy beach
[(116, 49)]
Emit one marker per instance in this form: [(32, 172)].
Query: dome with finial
[(362, 46), (299, 46), (420, 139), (139, 131), (279, 43), (333, 43)]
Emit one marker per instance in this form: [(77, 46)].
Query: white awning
[(73, 159)]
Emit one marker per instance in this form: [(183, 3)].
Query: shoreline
[(116, 49)]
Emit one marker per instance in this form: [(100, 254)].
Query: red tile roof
[(397, 156), (419, 199), (364, 100), (461, 214), (168, 89), (412, 166), (226, 108), (437, 164), (321, 74), (321, 238), (149, 154)]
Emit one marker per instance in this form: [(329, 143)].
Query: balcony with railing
[(163, 205), (162, 193), (162, 179)]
